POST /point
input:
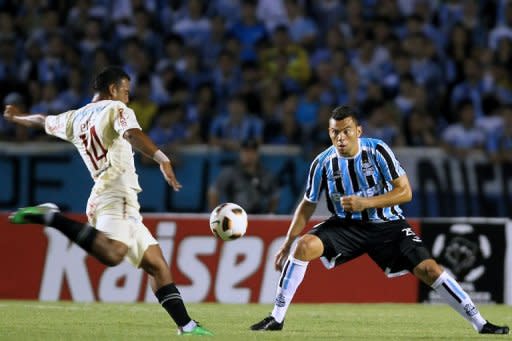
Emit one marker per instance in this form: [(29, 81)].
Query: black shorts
[(392, 245)]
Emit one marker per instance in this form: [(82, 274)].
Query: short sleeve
[(388, 163), (124, 119), (57, 125), (314, 182)]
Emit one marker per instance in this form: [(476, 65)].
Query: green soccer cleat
[(197, 331), (33, 214)]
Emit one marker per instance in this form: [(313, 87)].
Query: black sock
[(82, 234), (170, 298)]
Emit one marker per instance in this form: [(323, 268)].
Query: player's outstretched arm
[(143, 144), (302, 214), (13, 114)]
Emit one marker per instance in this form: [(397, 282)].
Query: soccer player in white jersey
[(104, 132), (365, 184)]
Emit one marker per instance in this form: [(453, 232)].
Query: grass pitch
[(26, 320)]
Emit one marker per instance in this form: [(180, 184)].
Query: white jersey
[(97, 131)]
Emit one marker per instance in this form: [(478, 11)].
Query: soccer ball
[(228, 221)]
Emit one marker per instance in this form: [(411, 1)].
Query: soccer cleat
[(39, 214), (198, 331), (490, 328), (268, 323)]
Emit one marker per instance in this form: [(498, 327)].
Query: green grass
[(27, 320)]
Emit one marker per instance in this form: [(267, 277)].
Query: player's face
[(121, 91), (344, 136)]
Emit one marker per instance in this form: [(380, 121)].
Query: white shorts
[(117, 215)]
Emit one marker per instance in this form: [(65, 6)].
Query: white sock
[(291, 277), (189, 326), (452, 293)]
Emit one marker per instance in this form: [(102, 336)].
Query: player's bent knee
[(154, 263), (428, 271), (309, 247), (115, 253)]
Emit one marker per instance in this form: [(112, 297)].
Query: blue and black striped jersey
[(369, 173)]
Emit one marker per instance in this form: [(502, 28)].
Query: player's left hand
[(353, 203), (168, 173)]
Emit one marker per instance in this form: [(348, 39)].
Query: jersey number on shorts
[(93, 147)]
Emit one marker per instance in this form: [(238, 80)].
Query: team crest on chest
[(368, 168), (336, 174)]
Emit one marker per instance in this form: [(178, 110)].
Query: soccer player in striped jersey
[(105, 133), (364, 184)]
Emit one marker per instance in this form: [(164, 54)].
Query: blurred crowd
[(218, 72)]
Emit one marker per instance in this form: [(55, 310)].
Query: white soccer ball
[(228, 221)]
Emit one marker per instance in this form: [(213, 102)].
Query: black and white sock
[(291, 277), (80, 233), (170, 299), (453, 294)]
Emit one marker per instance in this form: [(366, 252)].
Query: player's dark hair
[(344, 111), (108, 76)]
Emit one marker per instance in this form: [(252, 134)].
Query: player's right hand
[(168, 173), (10, 112)]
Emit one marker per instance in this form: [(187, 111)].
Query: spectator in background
[(194, 73), (194, 27), (281, 127), (49, 103), (73, 95), (226, 75), (307, 108), (251, 86), (329, 81), (286, 60), (463, 137), (246, 183), (142, 31), (502, 83), (249, 30), (216, 39), (28, 66), (333, 42), (472, 88), (458, 47), (499, 142), (92, 38), (380, 125), (204, 109), (502, 30), (318, 140), (369, 60), (420, 129), (142, 104), (171, 129), (229, 131), (303, 30), (173, 52), (271, 12), (355, 88), (327, 13)]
